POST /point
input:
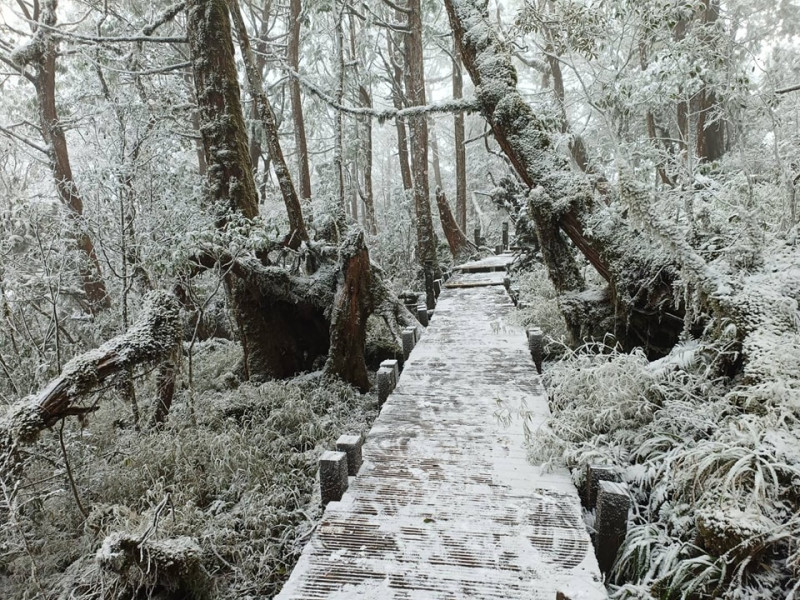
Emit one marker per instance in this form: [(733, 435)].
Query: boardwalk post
[(536, 346), (422, 314), (611, 524), (409, 339), (477, 234), (505, 235), (332, 476), (351, 446), (594, 475), (507, 283), (385, 381), (437, 287), (394, 365)]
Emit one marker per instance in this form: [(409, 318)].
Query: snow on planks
[(446, 506)]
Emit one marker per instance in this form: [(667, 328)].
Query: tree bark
[(415, 92), (44, 80), (297, 226), (230, 177), (352, 306), (460, 245), (460, 148), (710, 143), (369, 196), (293, 58)]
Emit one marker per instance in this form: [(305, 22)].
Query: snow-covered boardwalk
[(446, 506)]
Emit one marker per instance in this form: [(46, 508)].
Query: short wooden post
[(385, 380), (536, 346), (507, 283), (394, 365), (351, 446), (437, 287), (594, 475), (477, 234), (611, 523), (422, 315), (409, 339), (332, 476), (505, 235)]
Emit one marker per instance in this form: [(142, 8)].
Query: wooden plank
[(446, 504), (497, 262)]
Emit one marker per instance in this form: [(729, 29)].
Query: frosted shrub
[(713, 465), (215, 504)]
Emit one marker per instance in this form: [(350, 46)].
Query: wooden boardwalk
[(446, 506)]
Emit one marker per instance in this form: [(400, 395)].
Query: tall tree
[(415, 93), (42, 52), (459, 138), (293, 58), (398, 100)]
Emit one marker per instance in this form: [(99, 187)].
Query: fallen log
[(151, 340)]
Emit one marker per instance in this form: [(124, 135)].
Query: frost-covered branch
[(447, 106), (24, 140)]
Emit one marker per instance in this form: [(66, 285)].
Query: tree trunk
[(460, 149), (437, 169), (369, 197), (710, 143), (297, 226), (230, 177), (460, 245), (415, 92), (58, 152), (352, 306), (398, 100), (340, 211), (293, 57)]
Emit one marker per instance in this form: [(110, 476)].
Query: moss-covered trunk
[(640, 275)]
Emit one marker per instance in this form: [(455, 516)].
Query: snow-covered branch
[(382, 115)]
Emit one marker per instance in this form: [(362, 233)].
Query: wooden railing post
[(351, 446), (536, 346), (611, 522), (332, 476)]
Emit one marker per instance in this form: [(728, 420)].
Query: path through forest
[(446, 505)]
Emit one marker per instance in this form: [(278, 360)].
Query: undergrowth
[(713, 465), (217, 504)]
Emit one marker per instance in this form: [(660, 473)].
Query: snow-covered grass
[(216, 504), (713, 465)]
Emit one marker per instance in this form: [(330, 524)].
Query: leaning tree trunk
[(460, 245), (640, 277), (297, 226), (415, 92), (152, 339)]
